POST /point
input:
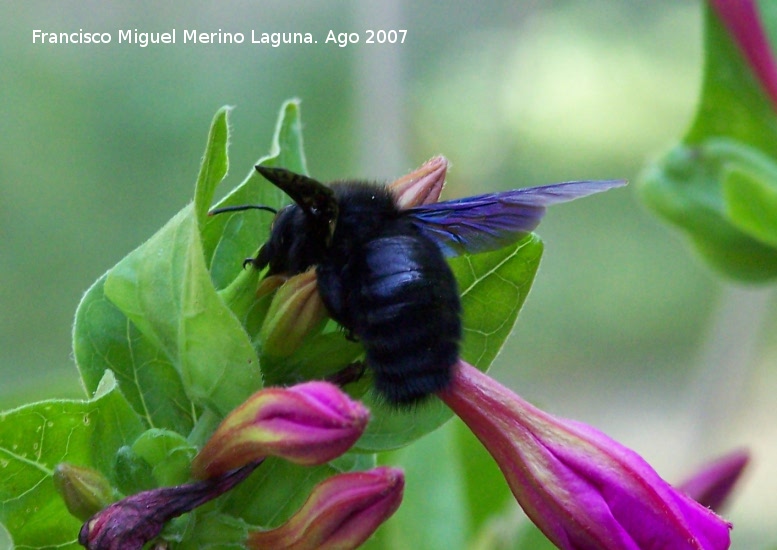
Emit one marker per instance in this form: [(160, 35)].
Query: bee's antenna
[(241, 207)]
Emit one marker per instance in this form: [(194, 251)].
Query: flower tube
[(581, 488)]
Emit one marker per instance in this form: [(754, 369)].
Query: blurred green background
[(625, 329)]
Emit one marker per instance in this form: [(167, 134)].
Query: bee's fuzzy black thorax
[(364, 209)]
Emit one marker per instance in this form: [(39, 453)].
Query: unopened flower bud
[(340, 514), (296, 310), (310, 423), (581, 488), (269, 284), (421, 186), (84, 490)]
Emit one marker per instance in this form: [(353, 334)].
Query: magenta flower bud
[(713, 484), (309, 424), (421, 186), (84, 490), (341, 513), (742, 21), (581, 488)]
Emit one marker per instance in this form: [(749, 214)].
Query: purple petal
[(712, 485)]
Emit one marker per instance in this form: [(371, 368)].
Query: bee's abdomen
[(408, 316)]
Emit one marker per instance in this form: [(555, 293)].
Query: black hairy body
[(384, 282), (391, 286)]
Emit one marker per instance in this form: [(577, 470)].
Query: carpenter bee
[(381, 269)]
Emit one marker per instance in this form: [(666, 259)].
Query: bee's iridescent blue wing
[(492, 221)]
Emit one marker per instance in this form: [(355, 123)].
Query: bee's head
[(293, 246), (301, 232)]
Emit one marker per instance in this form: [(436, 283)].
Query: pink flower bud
[(310, 423), (421, 186), (341, 513), (581, 488), (712, 485)]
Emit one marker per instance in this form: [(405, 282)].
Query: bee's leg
[(348, 374), (261, 260)]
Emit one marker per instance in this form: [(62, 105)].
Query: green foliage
[(434, 514), (455, 491), (720, 184), (105, 340), (37, 437), (164, 288), (168, 341)]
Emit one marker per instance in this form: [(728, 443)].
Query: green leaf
[(434, 514), (37, 437), (229, 238), (319, 356), (165, 289), (5, 538), (105, 339), (449, 473), (215, 164), (132, 473), (278, 488), (486, 493), (751, 201), (531, 538), (493, 288), (719, 184), (168, 453), (698, 188), (214, 531)]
